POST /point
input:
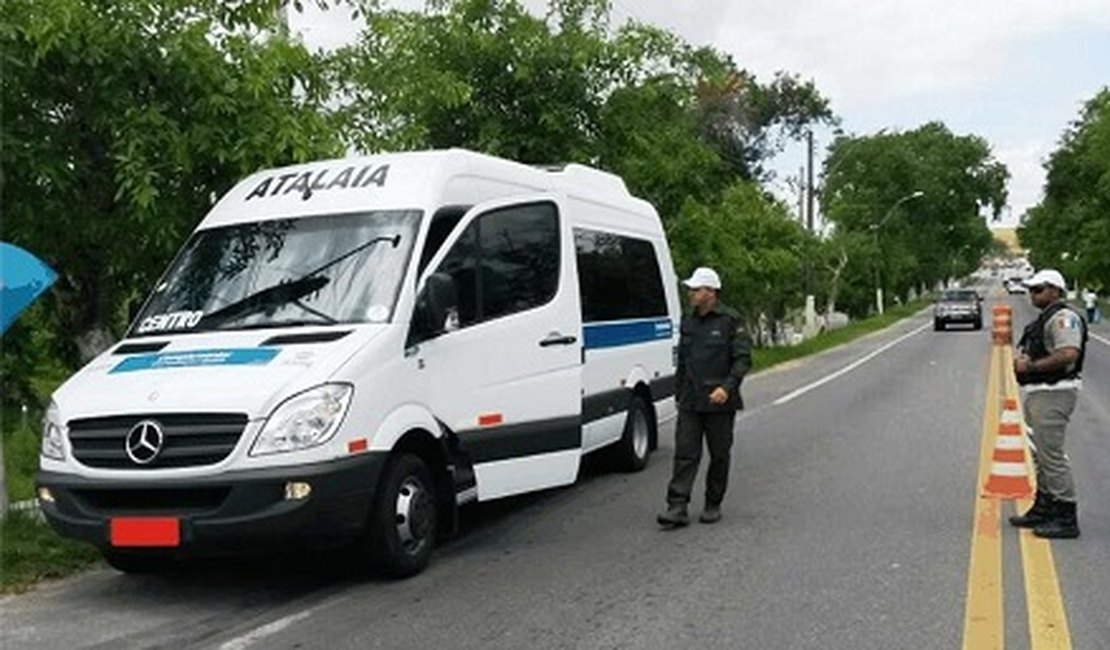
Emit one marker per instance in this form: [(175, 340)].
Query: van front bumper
[(228, 512)]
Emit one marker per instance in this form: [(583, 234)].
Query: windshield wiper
[(274, 296), (288, 292)]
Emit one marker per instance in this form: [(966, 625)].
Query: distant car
[(958, 306)]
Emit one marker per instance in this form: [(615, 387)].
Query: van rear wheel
[(403, 522), (635, 444)]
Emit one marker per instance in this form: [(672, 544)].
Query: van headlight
[(304, 420), (53, 434)]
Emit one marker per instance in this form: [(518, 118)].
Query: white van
[(353, 348)]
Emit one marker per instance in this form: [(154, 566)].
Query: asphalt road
[(848, 524)]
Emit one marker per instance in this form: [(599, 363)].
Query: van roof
[(408, 180)]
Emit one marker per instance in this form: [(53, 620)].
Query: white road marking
[(259, 633), (848, 368), (1099, 339)]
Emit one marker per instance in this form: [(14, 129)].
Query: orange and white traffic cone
[(1009, 476), (1010, 423)]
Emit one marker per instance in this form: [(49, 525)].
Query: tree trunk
[(93, 342), (3, 484), (84, 313), (834, 286)]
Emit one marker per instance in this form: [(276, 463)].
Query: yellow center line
[(1048, 622), (983, 618)]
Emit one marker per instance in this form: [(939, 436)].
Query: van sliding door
[(506, 375)]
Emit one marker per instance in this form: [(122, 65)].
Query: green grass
[(763, 358), (21, 452), (31, 551)]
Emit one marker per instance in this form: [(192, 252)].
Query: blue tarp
[(22, 278)]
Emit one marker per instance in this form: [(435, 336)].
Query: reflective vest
[(1033, 344)]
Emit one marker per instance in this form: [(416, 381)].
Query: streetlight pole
[(875, 227)]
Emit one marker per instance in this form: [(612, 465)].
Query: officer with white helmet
[(1049, 367), (714, 354)]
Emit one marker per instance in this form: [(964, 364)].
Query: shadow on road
[(294, 573)]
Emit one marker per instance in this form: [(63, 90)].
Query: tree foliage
[(751, 238), (123, 120), (686, 128), (872, 185), (1070, 228), (487, 75)]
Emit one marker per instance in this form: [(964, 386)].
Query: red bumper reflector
[(489, 419), (146, 531), (355, 446)]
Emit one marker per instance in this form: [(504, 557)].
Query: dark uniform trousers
[(692, 427)]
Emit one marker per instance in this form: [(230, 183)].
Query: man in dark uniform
[(1049, 369), (714, 353)]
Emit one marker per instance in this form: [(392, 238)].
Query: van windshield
[(316, 270)]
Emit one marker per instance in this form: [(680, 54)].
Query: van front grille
[(162, 500), (186, 440)]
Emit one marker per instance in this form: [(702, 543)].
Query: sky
[(1015, 72)]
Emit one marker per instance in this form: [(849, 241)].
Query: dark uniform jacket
[(713, 350)]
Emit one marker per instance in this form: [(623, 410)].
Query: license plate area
[(145, 532)]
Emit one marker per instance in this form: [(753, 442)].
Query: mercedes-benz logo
[(144, 442)]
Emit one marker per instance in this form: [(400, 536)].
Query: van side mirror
[(433, 306)]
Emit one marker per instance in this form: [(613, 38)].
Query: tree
[(746, 122), (919, 195), (489, 76), (123, 120), (1070, 228), (754, 243), (844, 266)]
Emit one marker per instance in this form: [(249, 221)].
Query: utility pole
[(810, 327), (801, 195), (809, 183)]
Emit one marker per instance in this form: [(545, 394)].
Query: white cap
[(703, 276), (1051, 277)]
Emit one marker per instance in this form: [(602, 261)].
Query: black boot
[(674, 517), (1063, 524), (1036, 515)]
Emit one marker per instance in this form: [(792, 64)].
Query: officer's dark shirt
[(713, 350)]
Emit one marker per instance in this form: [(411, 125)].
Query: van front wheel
[(635, 444), (403, 523)]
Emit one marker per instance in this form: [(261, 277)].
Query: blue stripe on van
[(611, 335), (193, 358)]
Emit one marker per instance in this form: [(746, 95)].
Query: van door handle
[(556, 338)]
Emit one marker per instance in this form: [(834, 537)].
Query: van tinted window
[(520, 258), (517, 250), (461, 263), (618, 277), (443, 222)]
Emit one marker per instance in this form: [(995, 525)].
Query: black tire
[(402, 527), (138, 563), (634, 447), (979, 324), (938, 326)]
